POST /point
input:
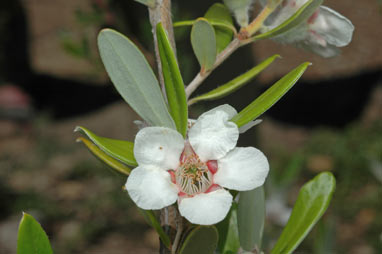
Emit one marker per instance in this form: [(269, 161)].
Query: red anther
[(212, 166), (172, 174), (313, 17), (212, 188), (182, 194)]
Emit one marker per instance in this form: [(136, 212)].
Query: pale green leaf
[(296, 19), (203, 42), (119, 149), (133, 78), (219, 13), (31, 238), (176, 94), (250, 218), (312, 202), (269, 97), (214, 23), (201, 240), (236, 83), (116, 165)]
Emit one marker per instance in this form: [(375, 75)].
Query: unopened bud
[(240, 10)]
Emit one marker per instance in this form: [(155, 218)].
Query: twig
[(240, 40), (179, 231), (200, 77)]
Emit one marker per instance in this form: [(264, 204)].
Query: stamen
[(192, 176)]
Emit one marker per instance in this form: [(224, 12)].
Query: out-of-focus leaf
[(236, 83), (108, 160), (250, 218), (133, 78), (296, 19), (203, 42), (32, 239), (119, 149), (153, 221), (201, 240), (176, 94), (312, 201), (219, 13), (228, 233), (148, 3), (269, 97)]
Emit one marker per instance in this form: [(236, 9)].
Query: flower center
[(192, 175)]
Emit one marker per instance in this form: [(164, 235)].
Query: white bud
[(240, 10)]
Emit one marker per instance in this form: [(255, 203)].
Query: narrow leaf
[(203, 42), (228, 232), (312, 201), (31, 238), (133, 78), (250, 218), (269, 97), (236, 83), (108, 160), (219, 13), (176, 94), (201, 240), (153, 221), (296, 19), (118, 149)]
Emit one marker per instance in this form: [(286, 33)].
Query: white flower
[(194, 171), (322, 33)]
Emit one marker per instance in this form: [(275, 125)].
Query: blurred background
[(52, 79)]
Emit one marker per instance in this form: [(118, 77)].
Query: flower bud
[(240, 10)]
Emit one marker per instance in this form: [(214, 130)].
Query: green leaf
[(236, 83), (212, 22), (201, 240), (312, 201), (269, 97), (296, 19), (119, 149), (133, 78), (228, 233), (108, 160), (31, 238), (203, 42), (219, 14), (250, 218), (153, 221), (176, 94)]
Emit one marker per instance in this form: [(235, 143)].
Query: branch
[(161, 12), (200, 77)]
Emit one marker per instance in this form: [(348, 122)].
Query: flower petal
[(206, 208), (158, 146), (333, 27), (212, 136), (328, 51), (151, 188), (242, 169)]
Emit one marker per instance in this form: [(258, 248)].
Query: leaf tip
[(80, 139), (77, 129)]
